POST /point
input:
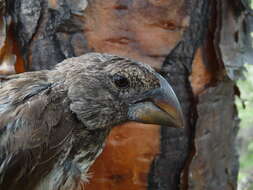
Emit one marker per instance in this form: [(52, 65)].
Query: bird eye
[(120, 81)]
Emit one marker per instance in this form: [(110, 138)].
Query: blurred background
[(245, 136)]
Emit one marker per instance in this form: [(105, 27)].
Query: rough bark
[(195, 44)]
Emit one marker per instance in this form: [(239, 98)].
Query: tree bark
[(195, 44)]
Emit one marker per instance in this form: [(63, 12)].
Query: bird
[(54, 123)]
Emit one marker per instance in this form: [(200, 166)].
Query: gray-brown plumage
[(53, 124)]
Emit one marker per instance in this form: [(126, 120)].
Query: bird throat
[(87, 147)]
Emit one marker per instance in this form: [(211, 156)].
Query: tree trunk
[(195, 44)]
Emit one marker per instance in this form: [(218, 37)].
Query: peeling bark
[(199, 46)]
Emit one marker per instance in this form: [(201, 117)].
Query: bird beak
[(159, 106)]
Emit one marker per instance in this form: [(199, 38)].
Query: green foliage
[(245, 136), (246, 125), (246, 89)]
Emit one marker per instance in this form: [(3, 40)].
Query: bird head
[(107, 90)]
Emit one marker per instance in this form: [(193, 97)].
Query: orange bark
[(146, 31), (10, 57), (200, 76), (126, 159)]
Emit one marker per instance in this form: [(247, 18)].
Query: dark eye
[(121, 81)]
